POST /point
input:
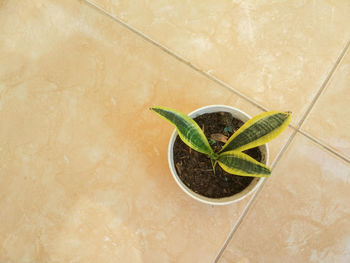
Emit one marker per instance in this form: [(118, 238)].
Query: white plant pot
[(255, 183)]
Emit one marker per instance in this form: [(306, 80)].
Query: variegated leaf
[(235, 162), (189, 131), (258, 131)]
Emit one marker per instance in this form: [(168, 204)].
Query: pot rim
[(256, 182)]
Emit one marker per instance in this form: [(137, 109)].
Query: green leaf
[(228, 129), (258, 131), (189, 131), (235, 162), (212, 141)]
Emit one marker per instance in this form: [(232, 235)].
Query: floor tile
[(270, 51), (83, 166), (302, 213), (329, 119)]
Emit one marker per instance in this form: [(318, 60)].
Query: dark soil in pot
[(195, 169)]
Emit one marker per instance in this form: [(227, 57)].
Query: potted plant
[(229, 166)]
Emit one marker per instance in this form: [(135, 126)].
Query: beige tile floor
[(269, 51), (301, 215), (83, 166)]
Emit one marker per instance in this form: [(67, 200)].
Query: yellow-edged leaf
[(258, 131), (189, 131), (235, 162)]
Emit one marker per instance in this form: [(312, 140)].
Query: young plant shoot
[(255, 132)]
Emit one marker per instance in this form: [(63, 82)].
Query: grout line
[(253, 199), (175, 55), (326, 147), (286, 145), (238, 223), (225, 85), (324, 84), (238, 93), (295, 131), (221, 83), (292, 127)]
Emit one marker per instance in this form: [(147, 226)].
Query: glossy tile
[(302, 214), (270, 51), (83, 166), (329, 119)]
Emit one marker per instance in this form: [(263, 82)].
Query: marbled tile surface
[(272, 51), (329, 121), (83, 166), (302, 213)]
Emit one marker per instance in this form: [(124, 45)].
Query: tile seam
[(241, 95), (253, 199), (175, 55), (325, 146), (296, 129), (215, 79), (324, 84), (319, 142)]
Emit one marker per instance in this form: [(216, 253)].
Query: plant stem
[(213, 165)]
